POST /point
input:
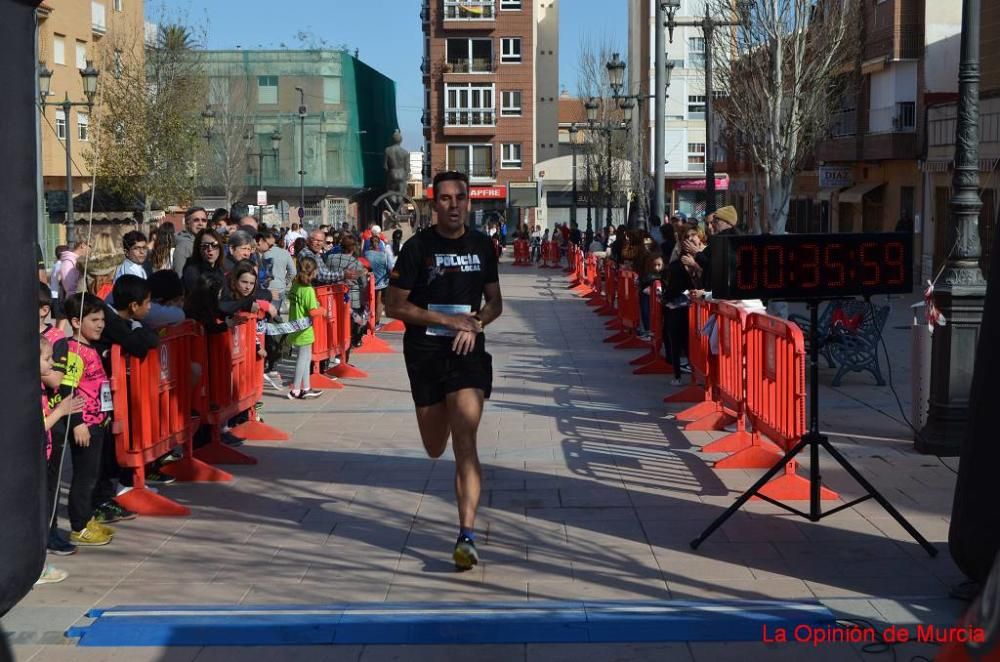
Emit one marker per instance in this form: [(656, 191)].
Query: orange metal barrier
[(342, 299), (700, 360), (255, 428), (325, 346), (653, 362), (370, 343), (153, 399), (594, 281), (776, 396)]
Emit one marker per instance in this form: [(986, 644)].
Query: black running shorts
[(435, 373)]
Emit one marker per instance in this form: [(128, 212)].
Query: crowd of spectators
[(214, 270)]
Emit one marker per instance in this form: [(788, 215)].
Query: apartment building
[(938, 162), (491, 77), (867, 175), (70, 32), (348, 118), (684, 118)]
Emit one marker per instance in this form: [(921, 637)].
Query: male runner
[(437, 288)]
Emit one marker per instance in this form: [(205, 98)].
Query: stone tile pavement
[(590, 492)]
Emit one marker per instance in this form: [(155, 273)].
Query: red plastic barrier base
[(191, 470), (397, 326), (737, 441), (690, 393), (648, 357), (752, 457), (346, 371), (792, 487), (595, 299), (717, 420), (606, 310), (703, 408), (657, 366), (633, 342), (318, 380), (145, 502), (257, 431), (617, 338), (374, 345), (217, 453), (614, 325)]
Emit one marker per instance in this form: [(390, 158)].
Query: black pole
[(590, 195), (815, 480), (709, 28), (572, 209), (608, 217)]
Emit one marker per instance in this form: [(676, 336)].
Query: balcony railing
[(898, 118), (468, 117), (469, 10), (844, 123), (474, 65), (98, 20)]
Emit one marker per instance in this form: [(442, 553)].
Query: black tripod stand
[(814, 440)]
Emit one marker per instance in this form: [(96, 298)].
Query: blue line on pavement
[(446, 623)]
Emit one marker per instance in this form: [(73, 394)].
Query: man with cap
[(721, 223)]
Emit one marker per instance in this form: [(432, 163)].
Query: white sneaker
[(335, 361), (676, 381), (309, 394)]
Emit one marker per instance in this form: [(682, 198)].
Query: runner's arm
[(494, 303)]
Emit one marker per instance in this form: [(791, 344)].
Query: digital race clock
[(811, 266)]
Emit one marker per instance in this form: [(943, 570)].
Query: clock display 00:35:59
[(811, 266)]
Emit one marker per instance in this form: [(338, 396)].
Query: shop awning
[(855, 193)]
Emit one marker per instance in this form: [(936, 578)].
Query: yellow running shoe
[(89, 537)]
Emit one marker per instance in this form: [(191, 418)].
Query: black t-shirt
[(443, 271)]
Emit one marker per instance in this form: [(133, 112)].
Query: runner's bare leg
[(434, 428), (465, 409)]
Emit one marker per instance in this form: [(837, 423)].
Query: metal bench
[(849, 332)]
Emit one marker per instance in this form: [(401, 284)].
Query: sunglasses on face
[(211, 246)]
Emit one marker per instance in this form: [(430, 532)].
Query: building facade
[(491, 74), (71, 32), (938, 162), (334, 116), (684, 119), (867, 176)]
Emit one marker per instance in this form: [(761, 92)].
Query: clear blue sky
[(386, 32)]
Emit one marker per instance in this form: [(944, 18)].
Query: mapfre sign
[(479, 192)]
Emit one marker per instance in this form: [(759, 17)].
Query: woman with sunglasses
[(206, 257)]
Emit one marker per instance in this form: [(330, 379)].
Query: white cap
[(376, 229)]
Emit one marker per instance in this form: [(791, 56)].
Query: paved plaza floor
[(591, 493)]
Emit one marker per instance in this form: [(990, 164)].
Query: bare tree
[(593, 83), (225, 161), (151, 126), (781, 70)]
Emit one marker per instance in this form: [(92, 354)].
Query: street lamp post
[(961, 290), (591, 107), (260, 154), (605, 127), (208, 120), (629, 102), (708, 26), (302, 152), (89, 75), (572, 141)]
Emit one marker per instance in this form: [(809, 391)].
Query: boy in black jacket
[(123, 326)]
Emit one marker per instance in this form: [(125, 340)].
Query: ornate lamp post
[(961, 289), (260, 154), (708, 26), (89, 75), (208, 121), (572, 142), (591, 107), (303, 111)]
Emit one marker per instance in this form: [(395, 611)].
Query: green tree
[(149, 126)]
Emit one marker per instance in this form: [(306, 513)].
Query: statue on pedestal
[(397, 166)]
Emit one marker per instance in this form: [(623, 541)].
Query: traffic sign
[(262, 198)]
